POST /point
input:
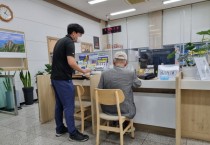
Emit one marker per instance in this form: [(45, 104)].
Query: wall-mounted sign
[(203, 68), (110, 30), (96, 42)]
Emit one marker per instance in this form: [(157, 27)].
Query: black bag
[(147, 76)]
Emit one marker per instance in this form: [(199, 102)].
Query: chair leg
[(121, 132), (82, 122), (132, 129), (107, 124), (121, 138), (97, 133)]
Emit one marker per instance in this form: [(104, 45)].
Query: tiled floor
[(25, 129)]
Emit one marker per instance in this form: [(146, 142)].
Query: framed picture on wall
[(86, 47), (12, 44), (51, 41), (96, 42), (12, 50)]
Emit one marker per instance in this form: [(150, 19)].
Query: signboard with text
[(110, 30)]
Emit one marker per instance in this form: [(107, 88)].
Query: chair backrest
[(79, 91), (109, 96)]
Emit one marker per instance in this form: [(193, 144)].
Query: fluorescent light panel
[(96, 1), (122, 12), (170, 1)]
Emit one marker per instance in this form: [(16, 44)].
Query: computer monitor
[(160, 57), (145, 58)]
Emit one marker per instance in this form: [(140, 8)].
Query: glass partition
[(8, 102)]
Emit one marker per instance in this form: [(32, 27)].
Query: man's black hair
[(75, 28)]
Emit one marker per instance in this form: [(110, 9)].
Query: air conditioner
[(135, 1)]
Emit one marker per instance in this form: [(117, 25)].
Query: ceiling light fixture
[(122, 12), (170, 1), (96, 1)]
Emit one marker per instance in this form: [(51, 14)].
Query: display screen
[(110, 30), (160, 57)]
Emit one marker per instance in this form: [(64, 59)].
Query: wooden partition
[(178, 109), (46, 98), (195, 114), (192, 109)]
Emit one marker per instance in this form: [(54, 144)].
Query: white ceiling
[(102, 10)]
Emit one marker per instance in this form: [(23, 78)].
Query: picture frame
[(96, 42), (12, 50), (12, 44), (86, 47)]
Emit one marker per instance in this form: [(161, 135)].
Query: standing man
[(63, 65), (122, 78)]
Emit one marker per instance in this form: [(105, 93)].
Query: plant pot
[(28, 95), (189, 72), (9, 100), (2, 101)]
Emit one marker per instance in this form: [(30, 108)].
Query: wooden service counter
[(192, 109), (183, 105)]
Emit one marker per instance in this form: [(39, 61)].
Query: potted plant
[(38, 73), (2, 102), (193, 50), (27, 87), (1, 69), (48, 68), (8, 93)]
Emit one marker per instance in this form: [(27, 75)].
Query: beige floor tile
[(149, 142), (206, 143), (43, 141), (4, 131), (25, 129), (194, 142), (17, 138)]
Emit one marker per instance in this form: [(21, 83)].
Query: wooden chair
[(81, 107), (111, 97)]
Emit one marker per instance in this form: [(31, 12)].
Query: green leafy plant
[(193, 50), (39, 73), (48, 68), (1, 70), (25, 78), (7, 84)]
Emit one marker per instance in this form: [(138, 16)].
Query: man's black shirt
[(60, 67)]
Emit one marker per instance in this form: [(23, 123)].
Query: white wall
[(39, 19), (177, 25), (120, 37), (180, 25), (200, 19), (138, 31), (134, 33)]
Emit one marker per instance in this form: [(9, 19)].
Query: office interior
[(171, 108)]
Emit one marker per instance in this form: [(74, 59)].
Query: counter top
[(158, 84), (82, 82), (165, 84), (195, 84)]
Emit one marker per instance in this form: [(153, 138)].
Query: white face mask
[(78, 40)]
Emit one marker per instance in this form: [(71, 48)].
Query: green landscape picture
[(11, 41)]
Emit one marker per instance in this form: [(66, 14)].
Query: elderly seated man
[(122, 78)]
